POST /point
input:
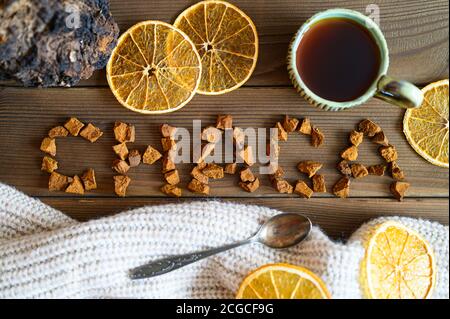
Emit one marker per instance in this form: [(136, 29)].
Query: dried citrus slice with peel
[(227, 41), (282, 281), (399, 264), (155, 68), (427, 127)]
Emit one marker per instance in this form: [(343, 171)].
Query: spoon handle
[(166, 265)]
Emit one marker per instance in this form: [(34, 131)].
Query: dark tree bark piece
[(54, 42)]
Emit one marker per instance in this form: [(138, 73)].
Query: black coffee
[(338, 59)]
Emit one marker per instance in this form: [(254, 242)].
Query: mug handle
[(400, 93)]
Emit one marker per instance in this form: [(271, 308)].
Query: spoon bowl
[(284, 231)]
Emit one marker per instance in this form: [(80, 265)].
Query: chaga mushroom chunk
[(53, 42)]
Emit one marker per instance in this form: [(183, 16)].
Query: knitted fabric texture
[(45, 254)]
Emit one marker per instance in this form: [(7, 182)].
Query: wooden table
[(417, 34)]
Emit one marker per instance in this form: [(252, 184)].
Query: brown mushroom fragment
[(91, 133), (247, 175), (120, 166), (369, 128), (399, 190), (48, 146), (377, 170), (282, 134), (168, 131), (76, 186), (213, 171), (167, 164), (230, 169), (350, 154), (89, 180), (224, 122), (303, 190), (282, 186), (342, 188), (397, 173), (134, 158), (317, 137), (356, 138), (168, 144), (250, 187), (389, 153), (124, 132), (121, 150), (49, 165), (58, 182), (197, 187), (121, 184), (359, 171), (309, 168), (58, 131), (171, 190), (381, 139), (74, 126), (344, 168), (305, 127), (290, 124), (319, 185), (197, 174), (151, 156), (172, 177)]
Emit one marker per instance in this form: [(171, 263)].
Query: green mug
[(400, 93)]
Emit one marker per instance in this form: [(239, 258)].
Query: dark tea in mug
[(338, 59)]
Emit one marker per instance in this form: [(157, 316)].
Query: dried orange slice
[(426, 128), (282, 281), (399, 264), (155, 68), (227, 42)]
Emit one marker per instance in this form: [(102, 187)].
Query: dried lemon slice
[(427, 127), (282, 281), (399, 264), (154, 69), (227, 42)]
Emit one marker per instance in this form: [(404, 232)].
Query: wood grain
[(417, 32), (26, 115), (338, 218)]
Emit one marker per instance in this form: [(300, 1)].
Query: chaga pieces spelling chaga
[(342, 188), (58, 182), (53, 42), (387, 151)]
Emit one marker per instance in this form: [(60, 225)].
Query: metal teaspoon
[(279, 232)]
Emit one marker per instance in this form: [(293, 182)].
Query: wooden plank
[(27, 114), (338, 218), (417, 32)]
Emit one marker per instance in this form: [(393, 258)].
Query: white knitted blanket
[(45, 254)]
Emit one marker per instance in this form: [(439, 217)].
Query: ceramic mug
[(400, 93)]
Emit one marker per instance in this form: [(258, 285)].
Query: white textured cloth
[(45, 254)]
